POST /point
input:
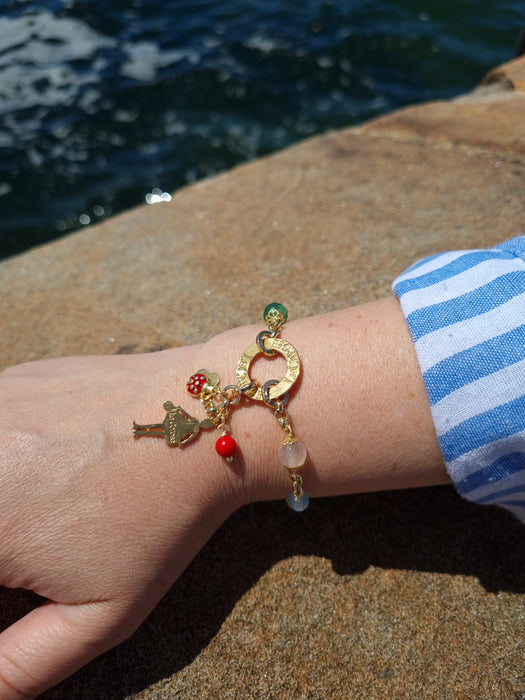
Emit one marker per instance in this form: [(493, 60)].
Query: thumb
[(53, 641)]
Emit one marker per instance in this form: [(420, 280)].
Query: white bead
[(293, 454), (298, 503)]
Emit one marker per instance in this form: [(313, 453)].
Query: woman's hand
[(98, 524), (101, 525)]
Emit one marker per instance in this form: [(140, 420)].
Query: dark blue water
[(104, 102)]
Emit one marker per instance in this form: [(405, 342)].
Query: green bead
[(275, 314)]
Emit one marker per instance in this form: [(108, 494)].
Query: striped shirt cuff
[(466, 312)]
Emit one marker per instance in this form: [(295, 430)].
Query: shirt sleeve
[(466, 312)]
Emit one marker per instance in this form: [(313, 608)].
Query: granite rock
[(398, 595)]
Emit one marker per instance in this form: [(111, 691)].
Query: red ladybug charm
[(196, 383)]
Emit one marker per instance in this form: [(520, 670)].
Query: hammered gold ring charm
[(293, 368)]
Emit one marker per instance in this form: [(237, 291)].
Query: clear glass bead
[(293, 454), (298, 503)]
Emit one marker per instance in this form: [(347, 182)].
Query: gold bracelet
[(179, 428)]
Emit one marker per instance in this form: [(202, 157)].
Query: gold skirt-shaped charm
[(178, 427)]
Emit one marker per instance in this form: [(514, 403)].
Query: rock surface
[(390, 595)]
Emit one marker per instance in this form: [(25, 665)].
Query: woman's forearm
[(101, 524), (360, 406)]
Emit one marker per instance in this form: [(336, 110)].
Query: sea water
[(104, 105)]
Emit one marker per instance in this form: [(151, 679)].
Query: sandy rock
[(510, 75), (401, 595)]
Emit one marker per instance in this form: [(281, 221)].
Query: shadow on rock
[(424, 530)]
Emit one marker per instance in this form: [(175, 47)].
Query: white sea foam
[(144, 60), (35, 56), (261, 41)]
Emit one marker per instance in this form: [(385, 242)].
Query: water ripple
[(102, 104)]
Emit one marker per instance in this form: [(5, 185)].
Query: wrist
[(359, 406), (256, 472), (193, 468)]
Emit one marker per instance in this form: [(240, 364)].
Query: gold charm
[(272, 346), (178, 428), (202, 382)]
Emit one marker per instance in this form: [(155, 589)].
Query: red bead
[(225, 446)]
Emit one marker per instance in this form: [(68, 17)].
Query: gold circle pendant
[(293, 368)]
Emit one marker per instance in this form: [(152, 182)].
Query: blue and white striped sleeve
[(466, 312)]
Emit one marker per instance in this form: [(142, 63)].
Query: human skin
[(101, 525)]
